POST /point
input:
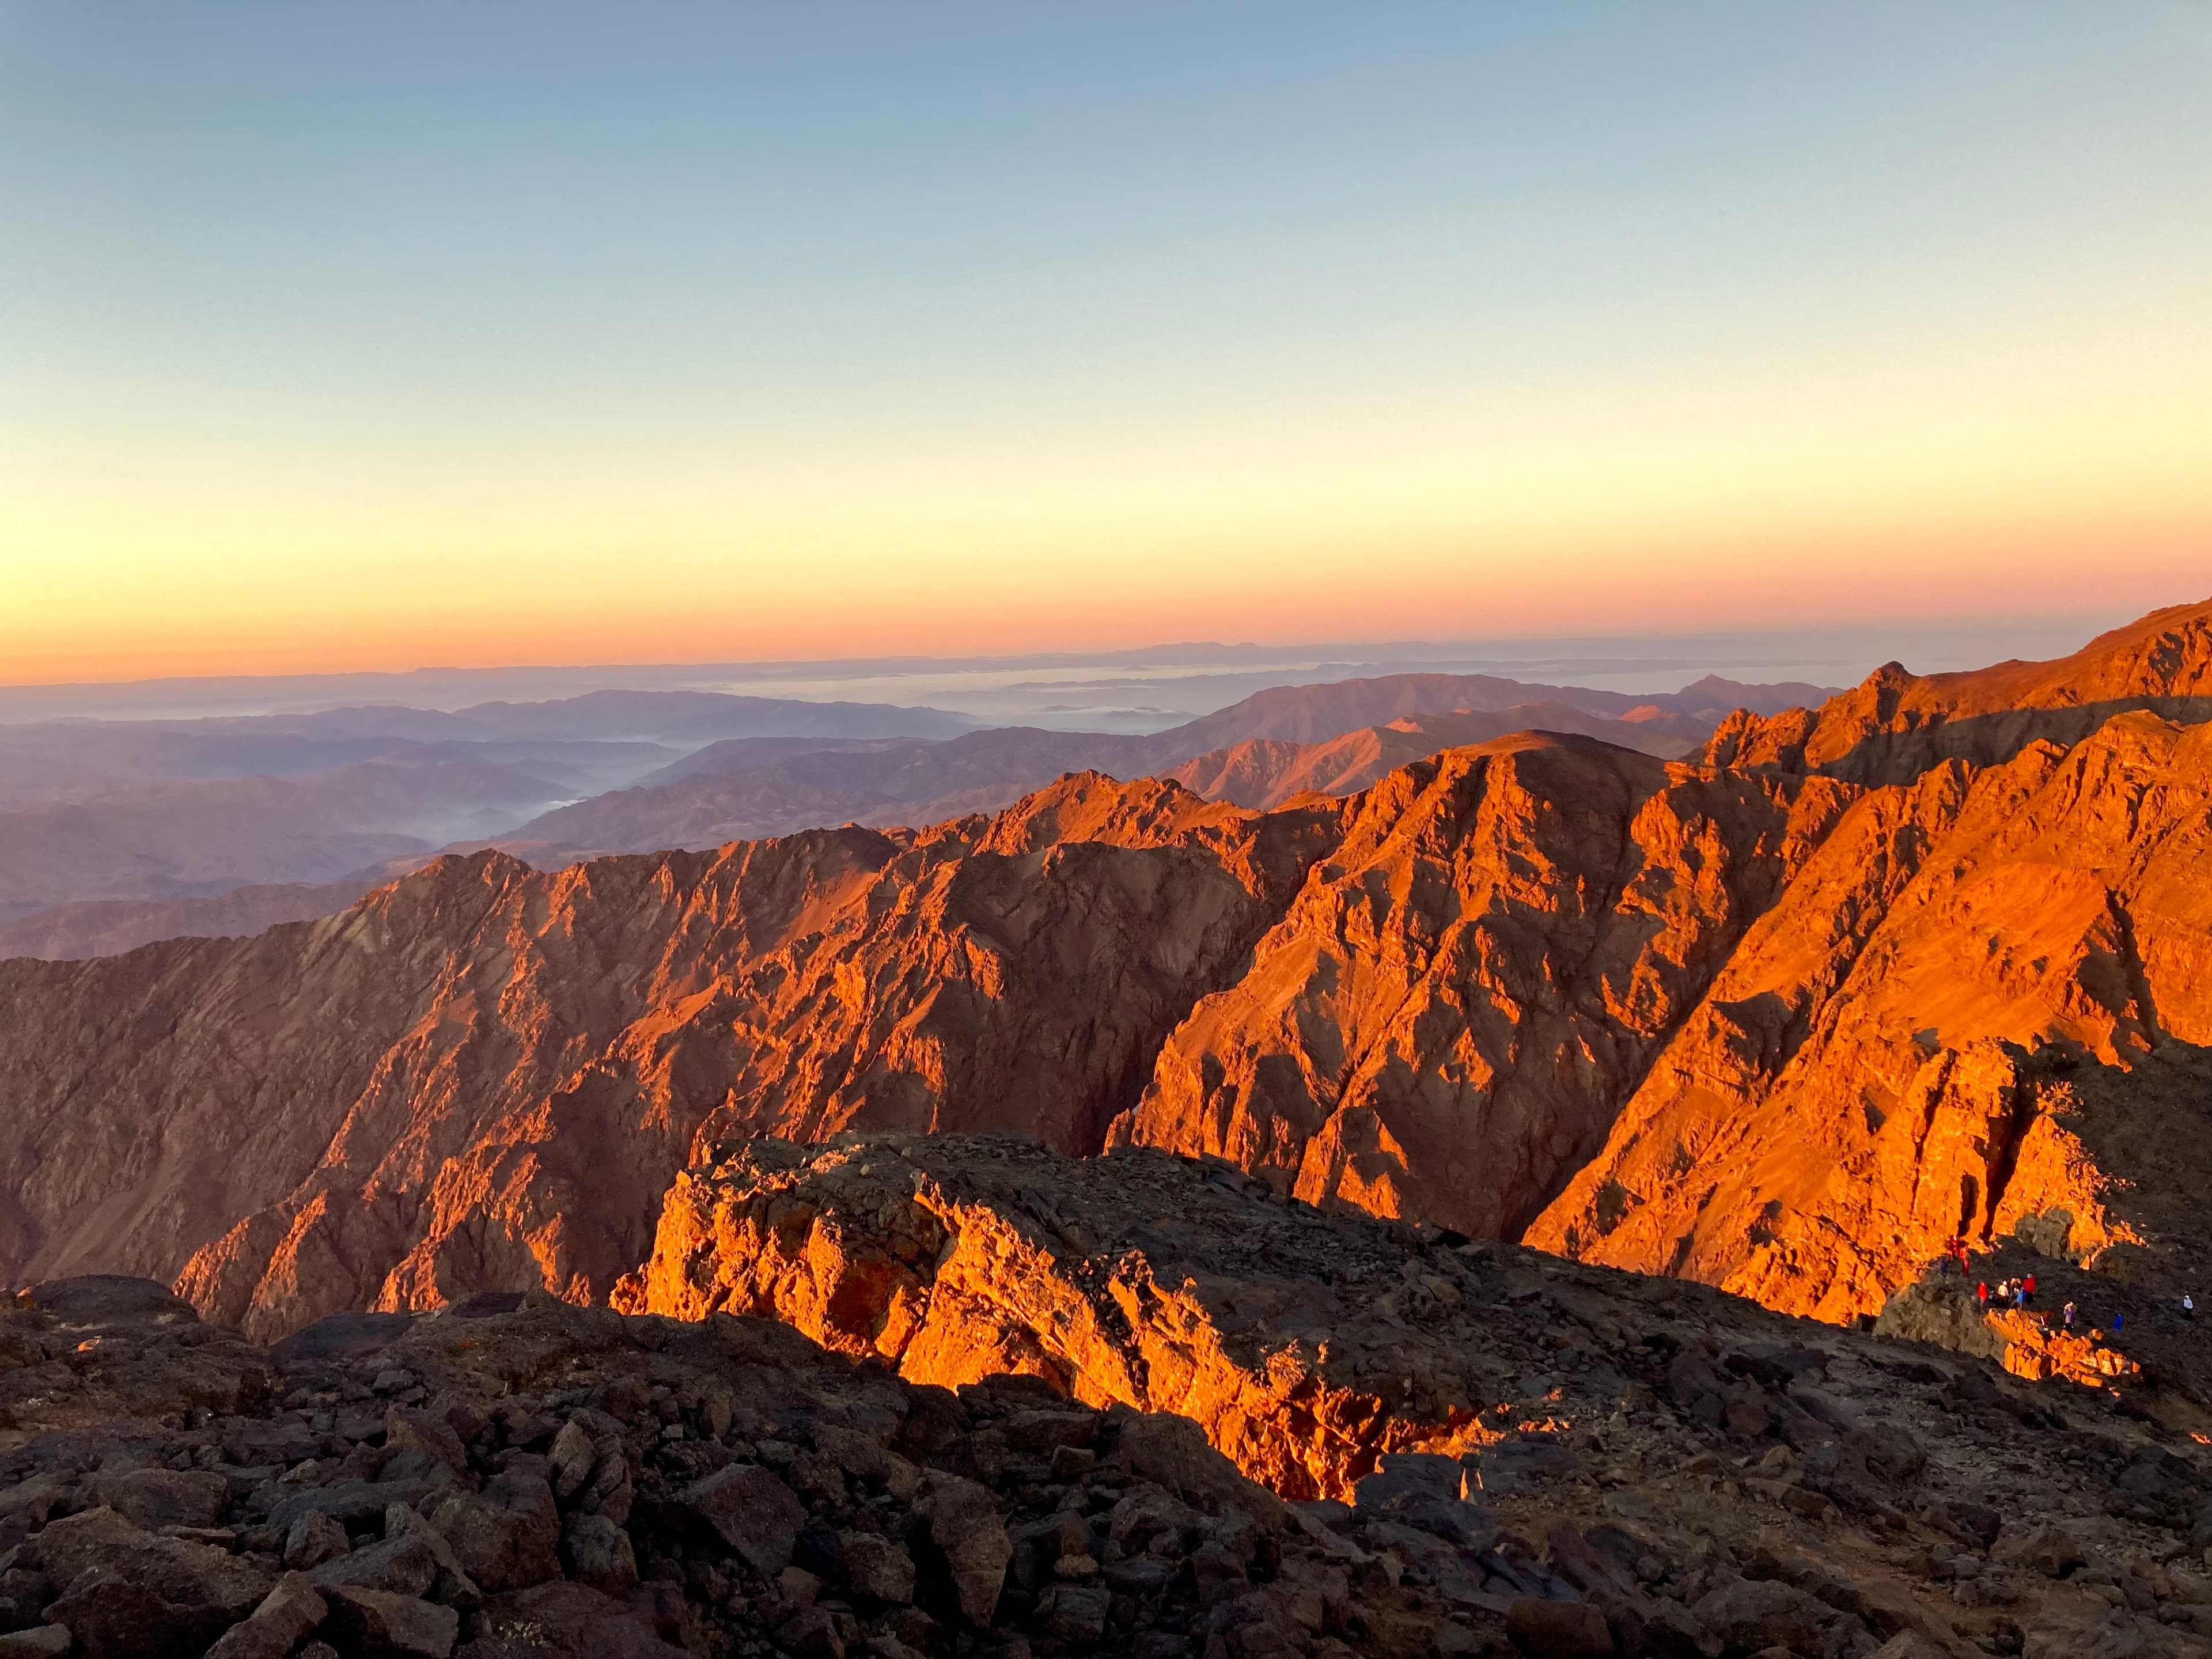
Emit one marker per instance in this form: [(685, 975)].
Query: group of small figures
[(2018, 1293)]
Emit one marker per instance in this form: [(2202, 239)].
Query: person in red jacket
[(1982, 1294), (2028, 1285)]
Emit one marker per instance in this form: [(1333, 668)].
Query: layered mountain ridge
[(1783, 1018), (146, 818)]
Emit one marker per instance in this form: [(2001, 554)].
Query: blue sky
[(961, 326)]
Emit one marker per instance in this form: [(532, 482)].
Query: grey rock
[(402, 1567), (962, 1523), (1075, 1612), (1410, 1474), (1557, 1629), (312, 1539), (750, 1511), (597, 1552), (507, 1536), (420, 1445), (338, 1337), (163, 1498), (131, 1592), (109, 1300), (350, 1503), (878, 1568), (375, 1625), (1749, 1614), (44, 1642), (573, 1457), (285, 1616)]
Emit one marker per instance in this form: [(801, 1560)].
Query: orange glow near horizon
[(1560, 522)]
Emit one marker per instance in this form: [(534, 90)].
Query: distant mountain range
[(174, 814), (735, 792), (169, 810)]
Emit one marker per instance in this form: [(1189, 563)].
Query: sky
[(341, 338)]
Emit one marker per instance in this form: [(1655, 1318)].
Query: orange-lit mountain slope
[(1893, 1054), (1895, 725), (1466, 990)]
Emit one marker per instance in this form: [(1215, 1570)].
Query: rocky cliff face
[(1395, 1368), (1139, 1278), (1894, 1054), (1463, 994), (484, 1073), (1899, 724)]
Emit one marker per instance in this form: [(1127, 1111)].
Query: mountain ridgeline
[(1782, 1015)]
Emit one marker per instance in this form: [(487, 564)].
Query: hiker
[(2118, 1319), (2028, 1285), (1982, 1293), (2069, 1315), (2019, 1296), (2188, 1305)]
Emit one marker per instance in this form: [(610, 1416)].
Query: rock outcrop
[(1143, 1279), (1662, 1469), (1897, 725), (1466, 990), (483, 1075), (1613, 1419), (1942, 1029)]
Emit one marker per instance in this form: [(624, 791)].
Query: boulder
[(1173, 1452), (969, 1540), (507, 1537), (1910, 1644), (340, 1339), (1557, 1629), (750, 1511), (125, 1591), (154, 1498), (284, 1617), (1075, 1612), (572, 1619), (42, 1642), (878, 1568), (402, 1567), (367, 1624), (109, 1300), (349, 1503), (811, 1634), (420, 1445), (312, 1539), (598, 1553), (2047, 1549), (574, 1456), (1749, 1614), (1410, 1474)]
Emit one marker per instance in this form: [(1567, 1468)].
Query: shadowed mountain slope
[(1257, 752), (1266, 772), (484, 1072), (106, 927)]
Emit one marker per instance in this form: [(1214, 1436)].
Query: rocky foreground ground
[(1503, 1453)]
